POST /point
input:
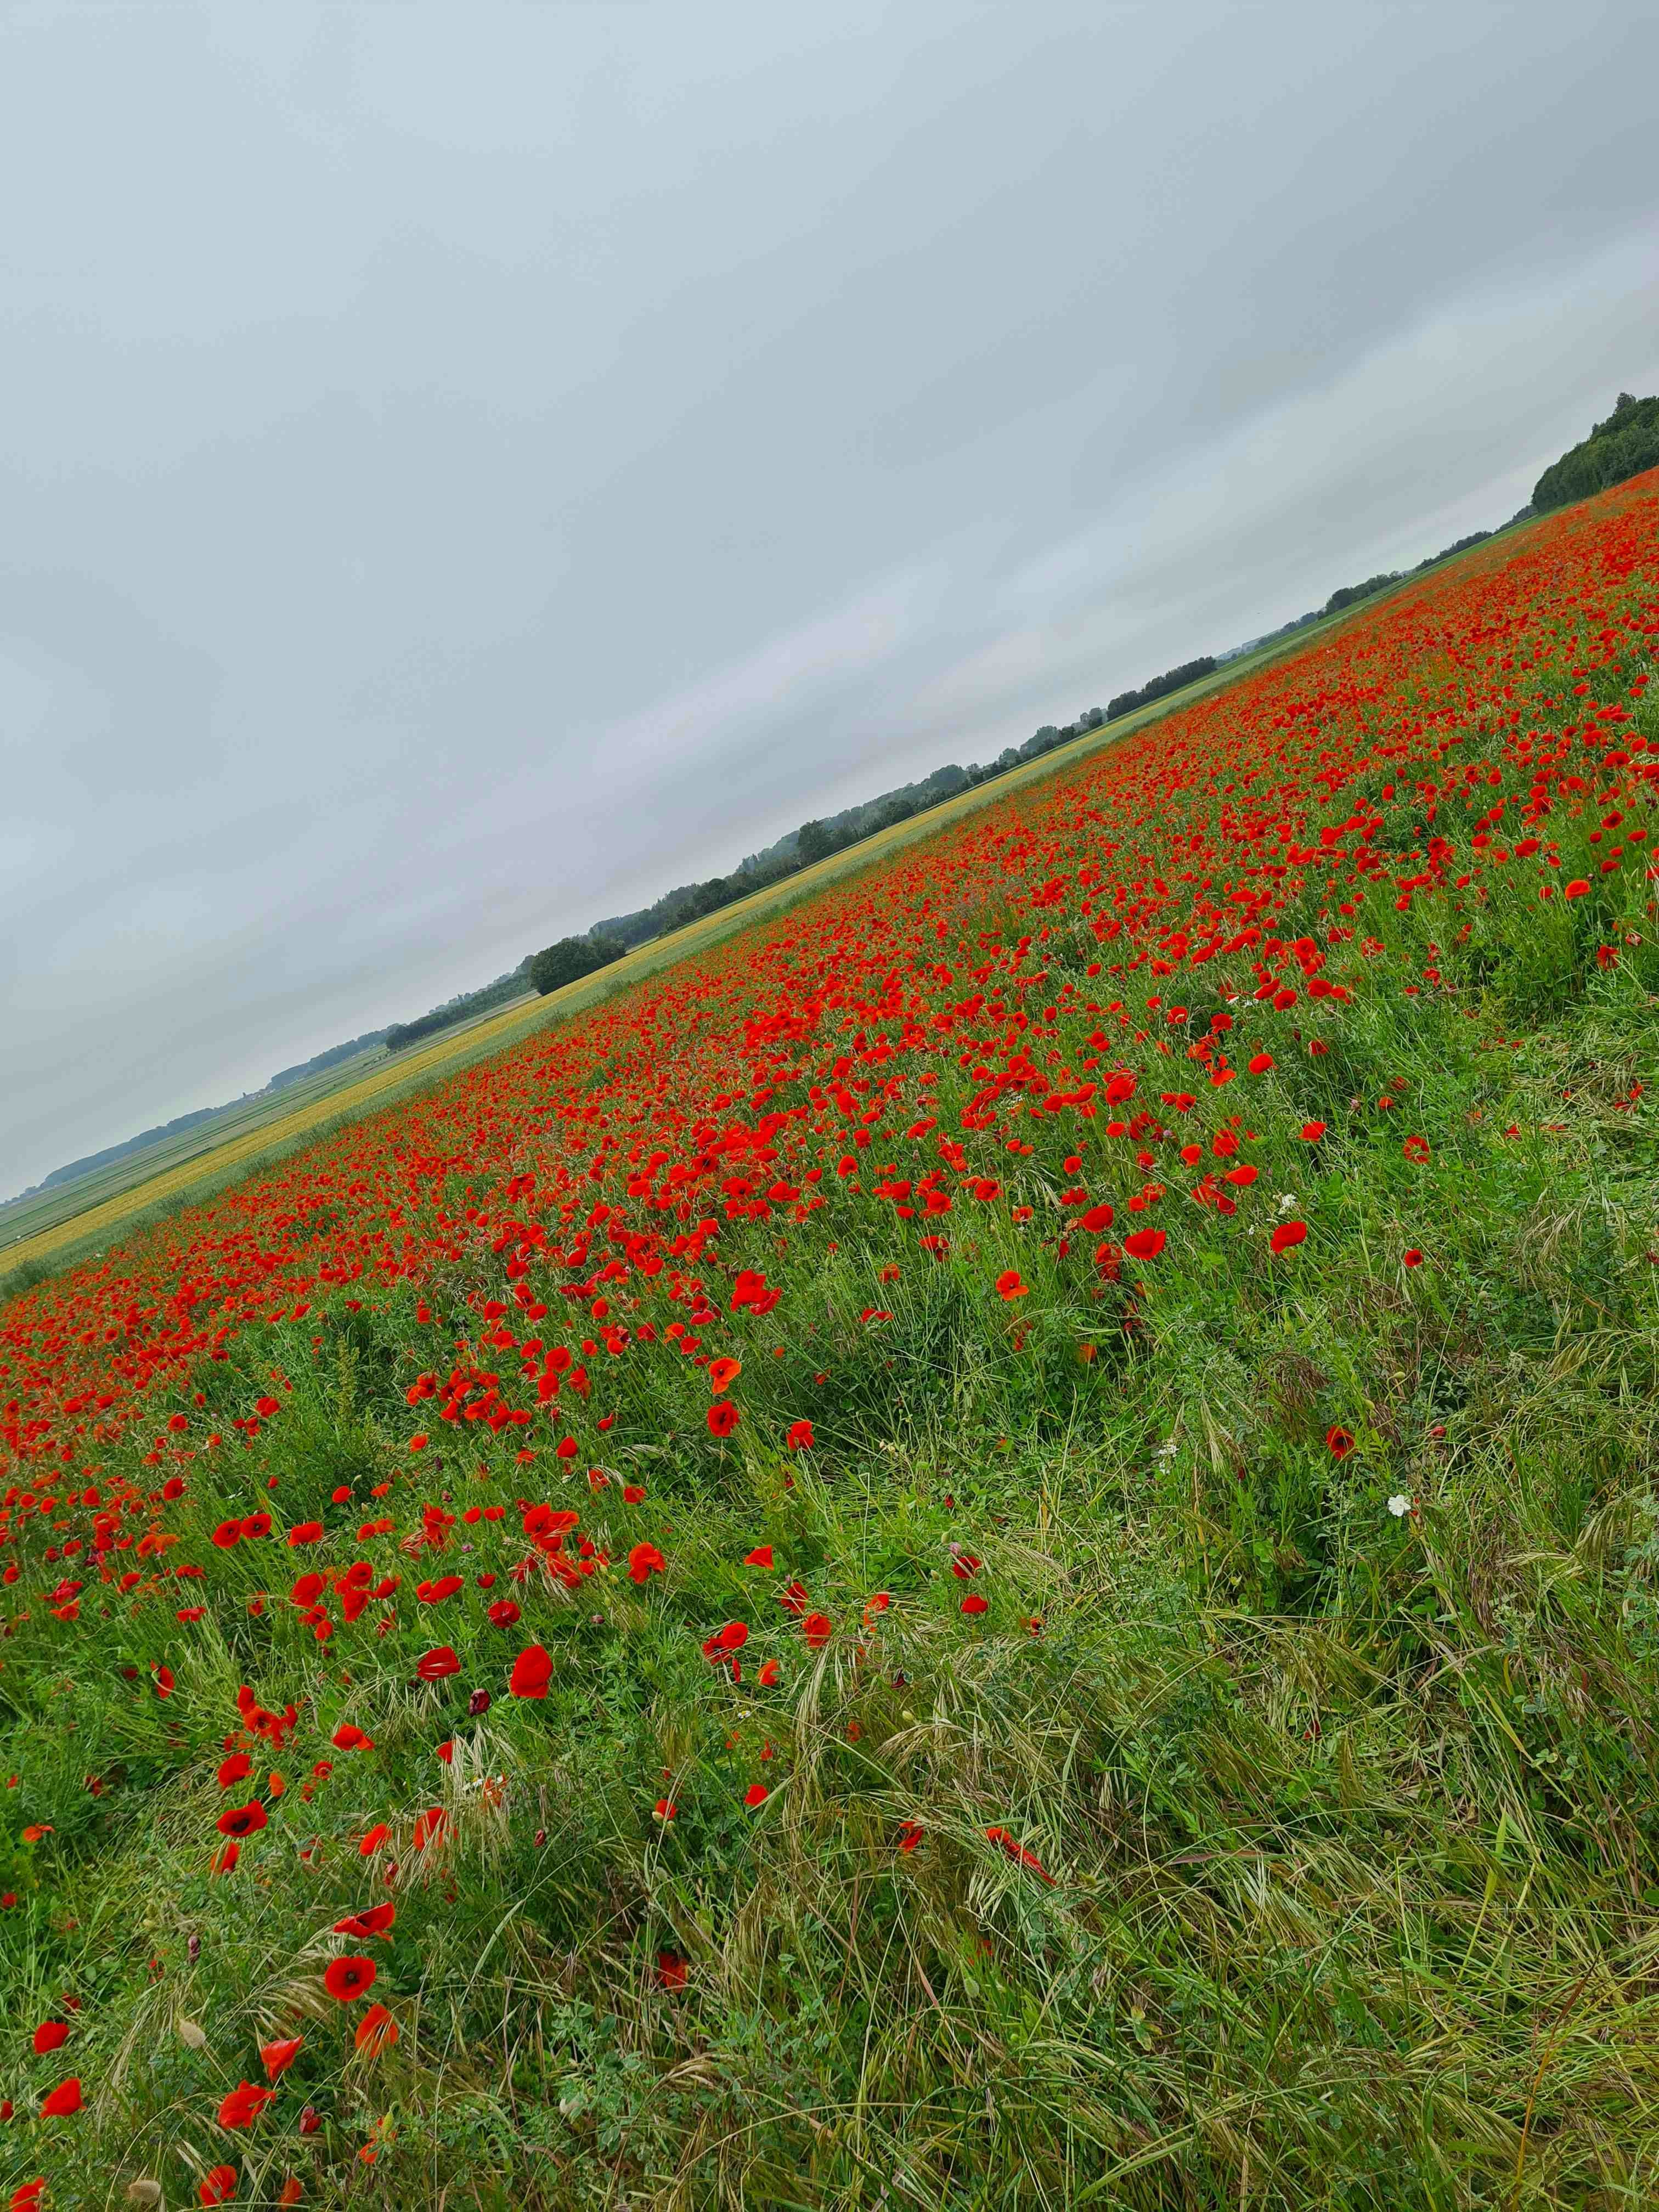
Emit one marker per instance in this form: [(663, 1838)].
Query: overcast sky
[(466, 471)]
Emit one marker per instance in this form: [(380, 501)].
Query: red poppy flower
[(910, 1834), (378, 1835), (1411, 1258), (1144, 1243), (348, 1978), (1312, 1132), (800, 1437), (723, 1417), (818, 1628), (374, 1921), (433, 1666), (1009, 1285), (376, 2031), (278, 2057), (305, 1532), (242, 1819), (722, 1373), (768, 1674), (1339, 1443), (724, 1641), (1018, 1851), (1577, 888), (975, 1603), (503, 1612), (672, 1970), (350, 1737), (50, 2035), (60, 2103), (532, 1671), (760, 1557), (244, 2105), (756, 1794), (543, 1520), (217, 2185), (1288, 1234), (645, 1559)]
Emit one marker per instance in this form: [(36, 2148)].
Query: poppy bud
[(477, 1703), (310, 2121)]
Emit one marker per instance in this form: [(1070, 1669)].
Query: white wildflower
[(1399, 1505)]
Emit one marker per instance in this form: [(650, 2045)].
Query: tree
[(1626, 445), (814, 841), (569, 960)]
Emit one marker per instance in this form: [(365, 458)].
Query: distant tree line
[(1622, 446), (111, 1153), (462, 1007), (824, 836), (318, 1061), (1160, 687), (1350, 595), (569, 960), (573, 957)]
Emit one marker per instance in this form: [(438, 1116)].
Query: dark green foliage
[(1160, 687), (1348, 595), (111, 1153), (332, 1058), (1622, 446), (569, 960), (504, 989)]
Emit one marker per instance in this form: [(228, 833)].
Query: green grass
[(1347, 1816)]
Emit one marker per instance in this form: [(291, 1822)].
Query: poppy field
[(993, 1544)]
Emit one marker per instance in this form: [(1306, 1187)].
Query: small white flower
[(1288, 1201), (1399, 1505)]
